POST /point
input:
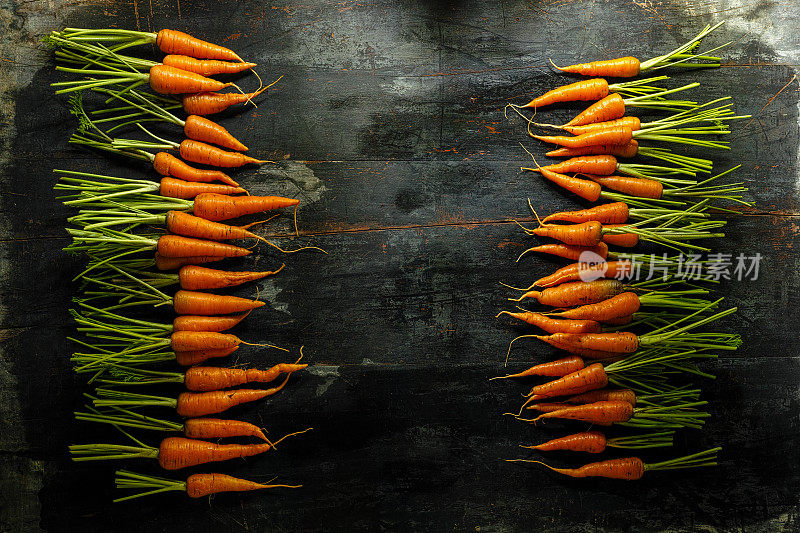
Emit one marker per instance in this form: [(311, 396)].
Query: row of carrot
[(142, 237), (627, 338)]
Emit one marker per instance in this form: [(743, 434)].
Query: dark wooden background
[(389, 124)]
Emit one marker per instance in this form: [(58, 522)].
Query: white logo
[(590, 268)]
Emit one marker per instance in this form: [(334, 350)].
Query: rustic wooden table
[(389, 126)]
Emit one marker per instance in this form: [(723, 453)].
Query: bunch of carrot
[(627, 339), (135, 232)]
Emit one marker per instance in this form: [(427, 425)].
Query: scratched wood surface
[(389, 126)]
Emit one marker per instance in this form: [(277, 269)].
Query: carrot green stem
[(701, 459)]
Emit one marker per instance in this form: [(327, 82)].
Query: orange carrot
[(620, 305), (170, 80), (199, 485), (220, 207), (588, 190), (168, 165), (206, 323), (603, 413), (573, 253), (192, 404), (583, 380), (188, 225), (202, 303), (611, 213), (201, 129), (602, 165), (611, 107), (585, 272), (210, 103), (629, 468), (208, 67), (215, 428), (585, 234), (189, 341), (612, 343), (179, 246), (618, 135), (631, 123), (178, 42), (639, 187), (558, 368), (584, 90), (588, 441), (175, 188), (626, 150), (626, 240), (196, 277), (552, 325), (206, 154), (545, 407), (622, 67), (576, 293), (622, 395), (175, 453), (200, 356), (203, 378)]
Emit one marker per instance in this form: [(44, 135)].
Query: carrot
[(187, 341), (590, 90), (202, 129), (205, 67), (196, 277), (168, 165), (626, 240), (163, 79), (574, 253), (200, 356), (586, 189), (552, 325), (206, 154), (628, 468), (192, 404), (588, 441), (603, 165), (621, 67), (168, 41), (558, 368), (195, 486), (193, 428), (616, 342), (576, 293), (180, 246), (586, 272), (206, 323), (584, 234), (210, 103), (602, 413), (627, 67), (629, 122), (545, 407), (182, 223), (627, 150), (591, 377), (596, 442), (178, 42), (201, 378), (215, 428), (619, 305), (639, 187), (611, 213), (219, 207), (616, 136), (175, 453), (175, 188), (622, 395), (201, 303)]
